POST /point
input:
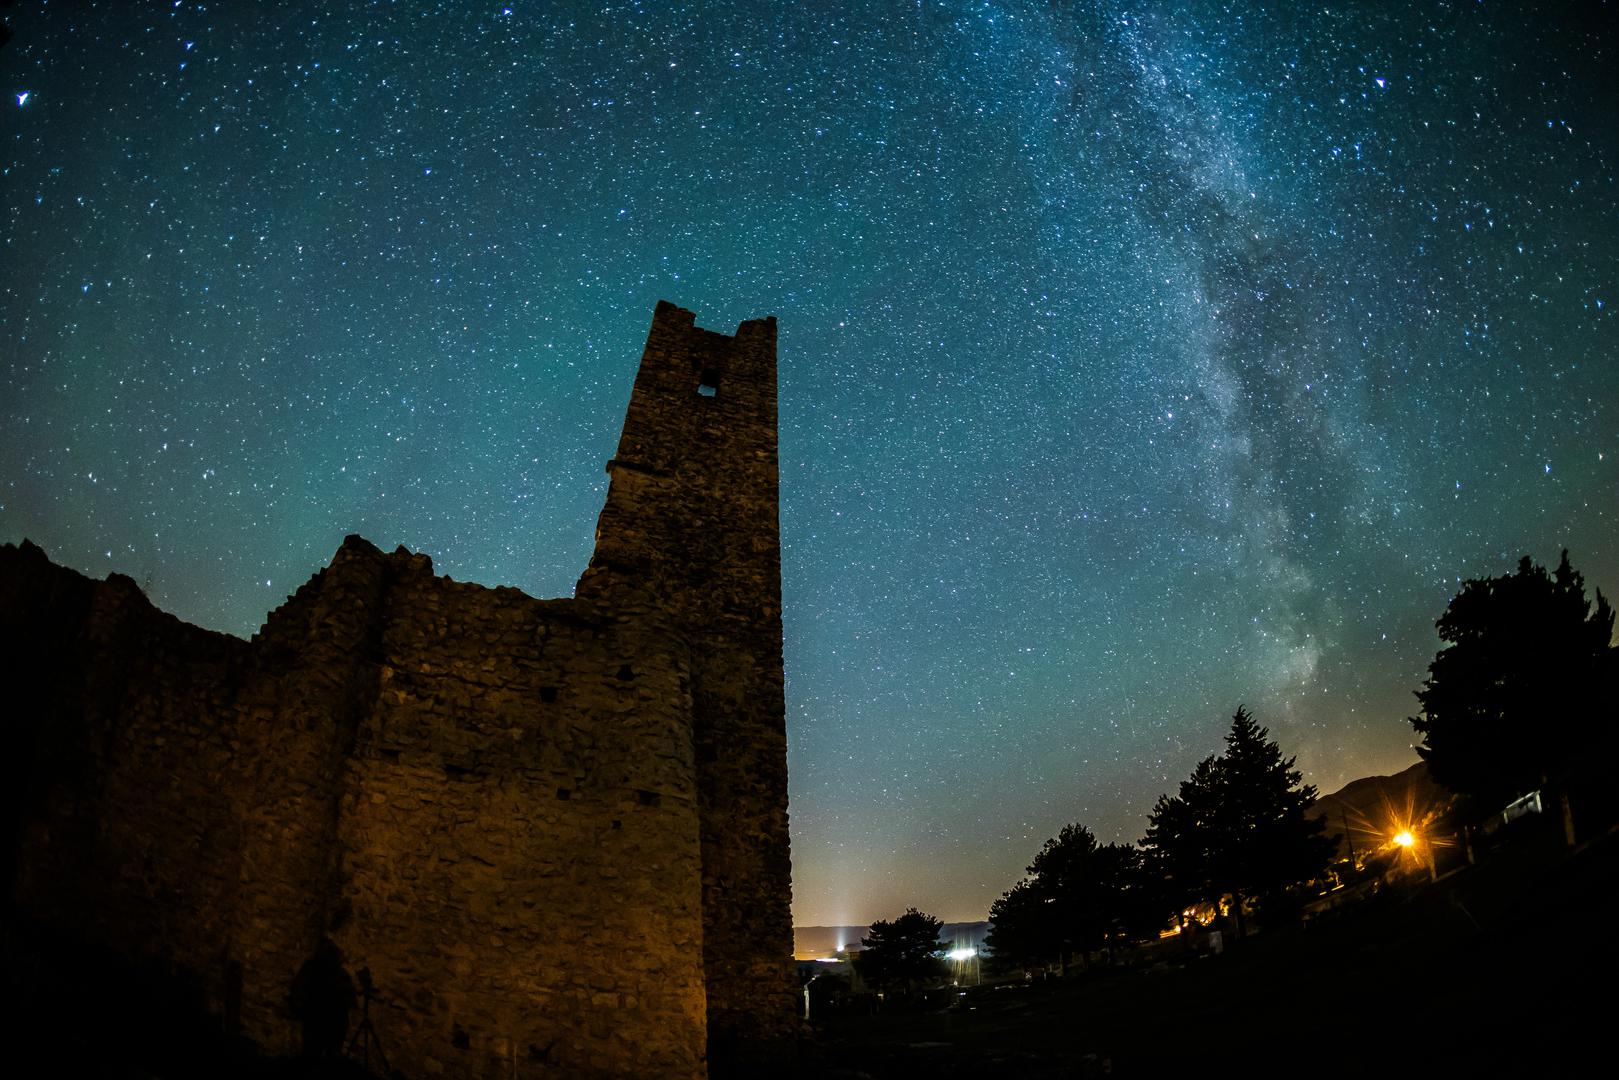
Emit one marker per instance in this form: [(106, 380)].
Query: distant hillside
[(813, 942), (1369, 811)]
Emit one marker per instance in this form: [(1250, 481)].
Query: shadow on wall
[(105, 1016)]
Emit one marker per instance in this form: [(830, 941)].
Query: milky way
[(1136, 361)]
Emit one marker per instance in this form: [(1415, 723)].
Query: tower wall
[(691, 526)]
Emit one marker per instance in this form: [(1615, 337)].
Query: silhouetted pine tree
[(1079, 896), (903, 952), (1237, 827), (1267, 844), (1023, 929)]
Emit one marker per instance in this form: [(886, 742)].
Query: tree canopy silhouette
[(1023, 929), (901, 953), (1181, 848), (1525, 682), (1079, 895), (1238, 825)]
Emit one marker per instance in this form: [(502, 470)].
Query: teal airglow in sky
[(1137, 361)]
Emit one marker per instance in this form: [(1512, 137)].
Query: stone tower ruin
[(552, 832), (691, 525)]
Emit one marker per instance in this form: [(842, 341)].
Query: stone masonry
[(554, 832)]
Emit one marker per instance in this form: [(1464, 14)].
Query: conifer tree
[(1266, 843), (1023, 927), (1237, 827), (1179, 848), (902, 952), (1079, 896)]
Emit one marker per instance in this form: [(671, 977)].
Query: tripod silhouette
[(365, 1036)]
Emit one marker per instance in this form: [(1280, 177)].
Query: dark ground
[(1504, 969)]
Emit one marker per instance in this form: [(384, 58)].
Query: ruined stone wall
[(520, 836), (553, 831), (123, 822), (487, 800), (180, 785)]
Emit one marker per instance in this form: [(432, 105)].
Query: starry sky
[(1137, 360)]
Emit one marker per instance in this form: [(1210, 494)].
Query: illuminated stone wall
[(553, 831), (691, 524)]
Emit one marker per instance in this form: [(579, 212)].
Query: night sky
[(1137, 361)]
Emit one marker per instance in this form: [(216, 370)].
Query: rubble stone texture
[(553, 831)]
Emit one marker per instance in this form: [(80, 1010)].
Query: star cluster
[(1137, 360)]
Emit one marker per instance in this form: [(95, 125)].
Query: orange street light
[(1406, 839)]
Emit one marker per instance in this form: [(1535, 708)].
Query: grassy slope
[(1501, 969)]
